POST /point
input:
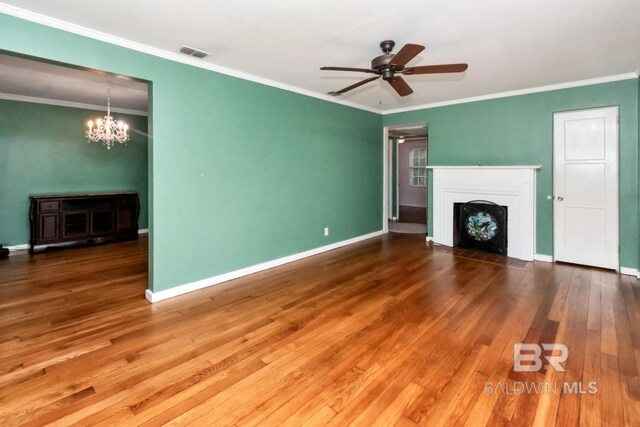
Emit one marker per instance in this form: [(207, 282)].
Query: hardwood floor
[(412, 214), (385, 332)]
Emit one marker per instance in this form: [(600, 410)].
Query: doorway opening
[(93, 189), (408, 180)]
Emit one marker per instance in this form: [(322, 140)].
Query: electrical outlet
[(326, 231)]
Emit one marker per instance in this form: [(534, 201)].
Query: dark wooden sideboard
[(82, 218)]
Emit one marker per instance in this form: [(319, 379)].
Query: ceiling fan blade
[(362, 70), (353, 86), (401, 86), (433, 69), (406, 54)]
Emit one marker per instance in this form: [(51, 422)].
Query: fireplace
[(511, 186), (481, 225)]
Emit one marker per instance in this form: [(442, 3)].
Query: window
[(417, 163)]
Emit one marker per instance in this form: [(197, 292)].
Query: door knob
[(560, 198)]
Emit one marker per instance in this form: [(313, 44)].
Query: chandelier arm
[(107, 130)]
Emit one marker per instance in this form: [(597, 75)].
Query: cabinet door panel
[(125, 220), (102, 222), (75, 224), (48, 226)]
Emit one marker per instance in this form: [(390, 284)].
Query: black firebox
[(481, 225)]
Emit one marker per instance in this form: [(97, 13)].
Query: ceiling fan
[(387, 65)]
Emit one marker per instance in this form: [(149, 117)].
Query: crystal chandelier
[(107, 130)]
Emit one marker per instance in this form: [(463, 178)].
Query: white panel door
[(585, 187)]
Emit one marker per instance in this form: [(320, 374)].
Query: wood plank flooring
[(386, 332), (412, 214)]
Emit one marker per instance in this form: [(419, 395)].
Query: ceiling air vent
[(193, 52)]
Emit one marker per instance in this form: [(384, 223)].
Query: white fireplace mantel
[(511, 186)]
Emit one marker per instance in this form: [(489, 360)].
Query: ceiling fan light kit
[(389, 64)]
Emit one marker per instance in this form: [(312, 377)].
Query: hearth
[(481, 225)]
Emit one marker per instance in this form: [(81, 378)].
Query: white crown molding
[(215, 280), (172, 56), (71, 104), (567, 85)]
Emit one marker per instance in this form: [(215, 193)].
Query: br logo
[(529, 357)]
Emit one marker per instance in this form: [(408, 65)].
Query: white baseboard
[(429, 239), (25, 246), (623, 270), (215, 280), (629, 271), (543, 258), (16, 248)]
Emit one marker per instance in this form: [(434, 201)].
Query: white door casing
[(389, 177), (585, 187)]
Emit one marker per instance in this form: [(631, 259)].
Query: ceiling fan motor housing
[(382, 64), (388, 64)]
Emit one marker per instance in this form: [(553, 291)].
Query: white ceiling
[(35, 79), (409, 132), (509, 45)]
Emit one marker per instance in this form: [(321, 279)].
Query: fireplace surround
[(510, 186)]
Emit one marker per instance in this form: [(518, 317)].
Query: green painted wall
[(518, 130), (241, 173), (44, 150)]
